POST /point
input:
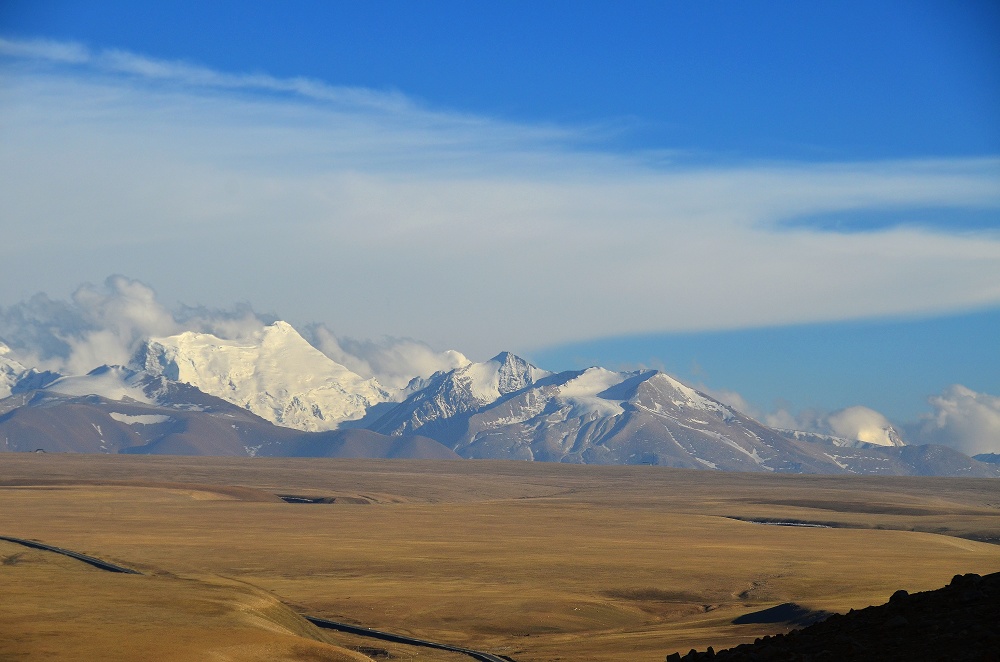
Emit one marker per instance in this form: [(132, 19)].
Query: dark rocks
[(957, 622), (896, 622)]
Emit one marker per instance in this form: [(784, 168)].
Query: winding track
[(401, 639), (96, 562), (320, 622)]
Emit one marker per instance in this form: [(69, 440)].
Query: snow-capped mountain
[(598, 416), (117, 409), (272, 393), (10, 371), (884, 436), (15, 377), (594, 416), (275, 373), (446, 397)]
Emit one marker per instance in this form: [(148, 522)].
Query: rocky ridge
[(957, 622)]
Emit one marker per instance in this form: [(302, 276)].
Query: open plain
[(532, 561)]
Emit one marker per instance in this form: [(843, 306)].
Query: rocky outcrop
[(957, 622)]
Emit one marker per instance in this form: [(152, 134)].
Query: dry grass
[(539, 562), (54, 607)]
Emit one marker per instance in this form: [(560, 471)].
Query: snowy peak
[(600, 416), (662, 393), (504, 373), (447, 396), (506, 408), (883, 436), (274, 372), (652, 390), (11, 371), (894, 437), (16, 378)]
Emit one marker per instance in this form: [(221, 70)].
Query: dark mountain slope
[(194, 424), (957, 622)]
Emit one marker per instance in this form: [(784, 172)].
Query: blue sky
[(798, 202), (888, 364), (876, 79)]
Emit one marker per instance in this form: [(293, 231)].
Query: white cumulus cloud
[(857, 423), (863, 424), (104, 325), (99, 325), (963, 419)]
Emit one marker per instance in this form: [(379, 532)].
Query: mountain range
[(271, 393)]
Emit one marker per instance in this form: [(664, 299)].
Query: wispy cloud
[(379, 215), (393, 361), (46, 50), (123, 62)]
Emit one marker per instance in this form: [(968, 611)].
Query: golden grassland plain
[(538, 562)]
